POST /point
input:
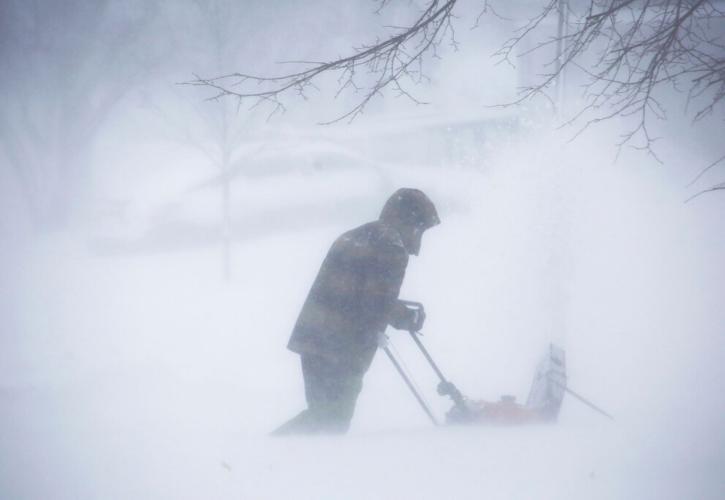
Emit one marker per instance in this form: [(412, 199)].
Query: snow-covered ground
[(147, 377)]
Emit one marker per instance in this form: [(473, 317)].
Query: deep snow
[(144, 376)]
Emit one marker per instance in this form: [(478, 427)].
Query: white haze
[(129, 368)]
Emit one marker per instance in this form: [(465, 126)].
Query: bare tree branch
[(393, 63), (718, 187), (628, 49), (705, 170)]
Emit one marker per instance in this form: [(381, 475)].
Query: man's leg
[(331, 390), (323, 391), (306, 422), (303, 423)]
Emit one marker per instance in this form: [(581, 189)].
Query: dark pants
[(331, 390)]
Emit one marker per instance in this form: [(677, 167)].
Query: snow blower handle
[(410, 385), (445, 387), (413, 317)]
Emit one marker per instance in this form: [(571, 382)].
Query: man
[(352, 300)]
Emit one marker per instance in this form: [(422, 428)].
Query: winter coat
[(352, 297)]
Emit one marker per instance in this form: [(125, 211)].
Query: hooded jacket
[(353, 295)]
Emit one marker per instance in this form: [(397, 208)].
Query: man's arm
[(381, 285)]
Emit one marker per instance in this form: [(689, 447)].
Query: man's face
[(412, 237)]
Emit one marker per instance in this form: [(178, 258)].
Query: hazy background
[(141, 357)]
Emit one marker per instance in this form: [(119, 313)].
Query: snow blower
[(543, 403)]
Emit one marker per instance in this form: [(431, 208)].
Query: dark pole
[(410, 386), (582, 399), (427, 356), (446, 387)]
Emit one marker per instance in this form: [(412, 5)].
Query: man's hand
[(407, 318)]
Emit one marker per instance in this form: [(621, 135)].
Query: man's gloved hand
[(403, 317), (445, 388)]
